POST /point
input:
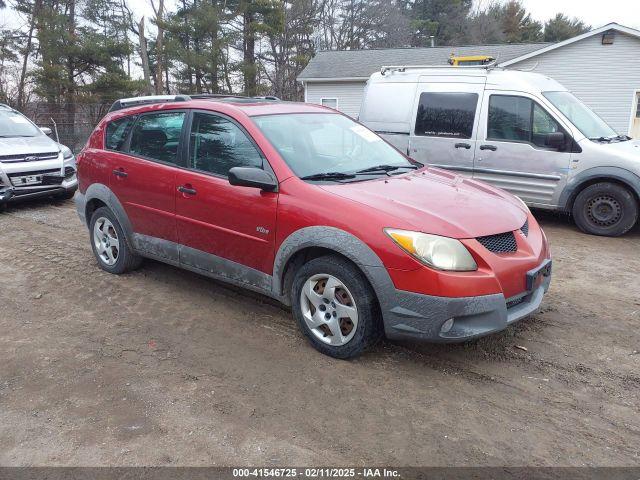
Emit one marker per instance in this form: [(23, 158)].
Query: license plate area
[(26, 180), (536, 276)]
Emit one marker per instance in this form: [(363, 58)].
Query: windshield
[(318, 143), (13, 124), (585, 119)]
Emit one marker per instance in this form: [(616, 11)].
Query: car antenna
[(55, 129)]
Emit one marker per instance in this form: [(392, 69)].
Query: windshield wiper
[(600, 139), (329, 176), (385, 168)]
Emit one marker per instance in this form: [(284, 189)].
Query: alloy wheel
[(329, 309), (106, 242)]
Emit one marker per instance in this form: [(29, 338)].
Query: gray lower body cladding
[(422, 317)]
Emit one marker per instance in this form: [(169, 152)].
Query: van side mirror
[(555, 140), (46, 130), (253, 177)]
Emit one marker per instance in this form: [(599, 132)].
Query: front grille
[(500, 243), (49, 177), (33, 157), (525, 228)]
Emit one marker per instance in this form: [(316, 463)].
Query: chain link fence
[(73, 122)]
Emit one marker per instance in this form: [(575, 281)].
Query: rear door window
[(157, 136), (216, 145), (117, 133), (449, 115)]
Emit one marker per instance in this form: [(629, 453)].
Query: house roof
[(610, 26), (360, 64)]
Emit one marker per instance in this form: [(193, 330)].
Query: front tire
[(110, 244), (67, 195), (335, 307), (605, 209)]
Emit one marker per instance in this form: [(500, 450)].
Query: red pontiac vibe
[(305, 205)]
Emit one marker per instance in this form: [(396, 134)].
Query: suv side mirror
[(252, 177), (46, 130), (555, 140)]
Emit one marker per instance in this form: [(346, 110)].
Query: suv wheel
[(110, 244), (605, 209), (335, 307)]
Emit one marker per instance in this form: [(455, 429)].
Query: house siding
[(604, 77), (349, 94)]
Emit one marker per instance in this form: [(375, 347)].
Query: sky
[(592, 12)]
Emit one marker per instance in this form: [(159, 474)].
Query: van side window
[(117, 132), (157, 136), (217, 145), (449, 115), (519, 119)]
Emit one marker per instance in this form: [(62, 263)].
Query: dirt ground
[(164, 367)]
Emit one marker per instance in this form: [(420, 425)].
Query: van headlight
[(438, 252)]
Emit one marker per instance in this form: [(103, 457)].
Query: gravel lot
[(163, 367)]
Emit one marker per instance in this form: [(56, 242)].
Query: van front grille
[(499, 243)]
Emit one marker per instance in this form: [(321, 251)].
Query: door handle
[(493, 148), (187, 189), (120, 173), (463, 145)]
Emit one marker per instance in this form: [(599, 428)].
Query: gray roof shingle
[(362, 63)]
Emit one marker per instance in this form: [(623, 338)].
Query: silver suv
[(31, 164)]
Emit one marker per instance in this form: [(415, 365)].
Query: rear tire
[(335, 307), (605, 209), (110, 244)]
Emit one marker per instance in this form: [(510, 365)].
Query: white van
[(520, 131)]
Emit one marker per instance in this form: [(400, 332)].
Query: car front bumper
[(12, 194), (457, 319)]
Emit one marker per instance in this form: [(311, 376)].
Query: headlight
[(66, 152), (438, 252)]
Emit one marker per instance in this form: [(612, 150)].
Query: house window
[(329, 102)]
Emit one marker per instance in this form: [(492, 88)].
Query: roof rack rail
[(4, 105), (134, 101), (403, 68)]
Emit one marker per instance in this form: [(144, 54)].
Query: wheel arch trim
[(343, 243), (616, 174), (99, 191)]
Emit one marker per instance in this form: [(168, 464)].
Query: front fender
[(575, 183), (340, 242)]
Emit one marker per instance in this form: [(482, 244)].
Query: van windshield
[(585, 119), (13, 124), (330, 146)]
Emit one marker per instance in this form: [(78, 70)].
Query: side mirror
[(555, 140), (253, 177), (46, 130)]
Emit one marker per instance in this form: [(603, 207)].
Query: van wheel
[(109, 243), (605, 209), (335, 307)]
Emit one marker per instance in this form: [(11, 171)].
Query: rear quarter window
[(117, 133)]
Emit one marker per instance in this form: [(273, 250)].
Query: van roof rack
[(150, 99), (404, 68)]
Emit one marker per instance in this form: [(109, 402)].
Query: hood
[(438, 202), (630, 149), (27, 145)]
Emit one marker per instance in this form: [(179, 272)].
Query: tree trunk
[(27, 53), (249, 55), (159, 49), (144, 57)]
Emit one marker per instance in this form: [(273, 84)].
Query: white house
[(601, 67)]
